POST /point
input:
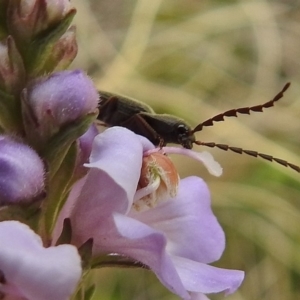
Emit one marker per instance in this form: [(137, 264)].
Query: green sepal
[(89, 292), (56, 149), (17, 75), (119, 261), (83, 293), (58, 191), (39, 50), (3, 33), (25, 213), (85, 252), (60, 155), (62, 53), (10, 113), (66, 234), (3, 25)]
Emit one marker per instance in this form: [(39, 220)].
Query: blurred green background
[(196, 59)]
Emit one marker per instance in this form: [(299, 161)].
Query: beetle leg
[(110, 113), (102, 124), (138, 125)]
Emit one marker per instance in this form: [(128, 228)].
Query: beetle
[(139, 117), (161, 129)]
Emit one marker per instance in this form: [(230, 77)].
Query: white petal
[(205, 157)]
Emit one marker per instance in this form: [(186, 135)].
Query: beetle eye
[(181, 129)]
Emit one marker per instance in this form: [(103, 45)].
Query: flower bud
[(12, 73), (21, 172), (58, 100), (63, 53), (56, 10), (158, 181), (28, 18)]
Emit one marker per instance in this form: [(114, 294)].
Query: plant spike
[(251, 153), (242, 110)]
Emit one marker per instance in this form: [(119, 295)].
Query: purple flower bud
[(27, 18), (21, 172), (60, 99), (12, 73)]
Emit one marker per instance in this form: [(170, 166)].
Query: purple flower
[(28, 271), (57, 100), (21, 172), (176, 238)]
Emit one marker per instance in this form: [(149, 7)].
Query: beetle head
[(185, 136)]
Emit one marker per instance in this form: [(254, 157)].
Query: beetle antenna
[(251, 153), (242, 110)]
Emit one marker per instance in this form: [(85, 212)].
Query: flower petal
[(198, 277), (187, 220), (147, 145), (118, 153), (205, 157), (147, 245), (110, 185), (33, 271)]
